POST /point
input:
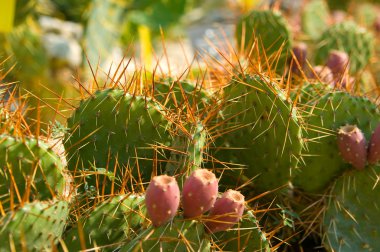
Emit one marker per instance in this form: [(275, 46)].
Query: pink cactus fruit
[(300, 54), (376, 24), (162, 199), (322, 73), (226, 212), (338, 62), (199, 193), (352, 146), (374, 147)]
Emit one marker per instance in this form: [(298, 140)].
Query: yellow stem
[(145, 45), (7, 13)]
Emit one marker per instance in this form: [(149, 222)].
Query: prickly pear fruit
[(199, 193), (338, 62), (300, 53), (226, 212), (374, 147), (352, 145), (162, 199), (323, 74)]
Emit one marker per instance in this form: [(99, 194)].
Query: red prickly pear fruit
[(352, 146), (162, 199), (374, 147), (338, 62), (199, 193), (226, 212), (300, 53), (323, 74)]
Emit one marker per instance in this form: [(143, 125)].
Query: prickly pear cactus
[(315, 16), (351, 220), (35, 226), (348, 37), (180, 235), (323, 119), (247, 237), (188, 149), (179, 95), (272, 33), (28, 170), (112, 131), (108, 223), (263, 132), (24, 46)]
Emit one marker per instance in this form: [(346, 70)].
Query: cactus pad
[(108, 223), (323, 119), (24, 159), (112, 131), (34, 226), (351, 220), (181, 235), (348, 37), (315, 16), (263, 132), (272, 32)]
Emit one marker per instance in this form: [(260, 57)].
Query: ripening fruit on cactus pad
[(162, 199), (199, 193), (374, 147), (226, 212), (352, 146)]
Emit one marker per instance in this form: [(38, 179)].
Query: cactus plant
[(323, 118), (108, 223), (35, 226), (263, 124), (29, 170), (348, 37), (315, 18), (272, 32), (350, 220), (115, 130)]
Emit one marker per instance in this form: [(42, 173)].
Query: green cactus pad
[(321, 160), (310, 92), (22, 159), (35, 226), (315, 16), (271, 30), (108, 223), (109, 130), (187, 153), (246, 237), (356, 41), (180, 94), (263, 132), (351, 221), (180, 235)]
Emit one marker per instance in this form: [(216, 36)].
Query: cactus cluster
[(287, 129)]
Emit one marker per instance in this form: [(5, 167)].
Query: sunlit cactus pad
[(29, 170), (351, 220), (323, 119), (263, 131), (114, 133)]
